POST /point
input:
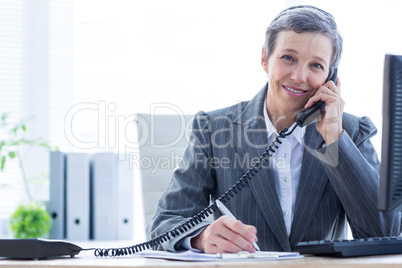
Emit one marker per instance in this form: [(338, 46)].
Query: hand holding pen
[(226, 235), (226, 211)]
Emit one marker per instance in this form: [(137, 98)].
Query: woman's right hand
[(226, 235)]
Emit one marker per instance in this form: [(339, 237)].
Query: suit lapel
[(251, 142), (311, 186)]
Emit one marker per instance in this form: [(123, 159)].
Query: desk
[(86, 259)]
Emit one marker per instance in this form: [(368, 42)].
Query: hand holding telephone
[(306, 116)]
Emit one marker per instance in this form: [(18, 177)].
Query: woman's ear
[(263, 61)]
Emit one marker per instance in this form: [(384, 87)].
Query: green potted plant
[(29, 220)]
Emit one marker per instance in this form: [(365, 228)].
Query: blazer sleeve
[(353, 167), (189, 190)]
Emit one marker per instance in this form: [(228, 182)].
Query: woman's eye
[(287, 57), (317, 65)]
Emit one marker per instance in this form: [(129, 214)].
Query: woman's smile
[(294, 91)]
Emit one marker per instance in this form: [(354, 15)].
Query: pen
[(226, 211)]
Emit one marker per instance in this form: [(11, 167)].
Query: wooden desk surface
[(88, 260)]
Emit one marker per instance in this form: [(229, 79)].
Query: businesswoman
[(322, 175)]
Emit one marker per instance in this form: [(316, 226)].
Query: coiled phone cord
[(203, 214)]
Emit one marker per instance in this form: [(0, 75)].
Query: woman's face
[(297, 67)]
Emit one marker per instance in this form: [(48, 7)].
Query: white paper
[(195, 256)]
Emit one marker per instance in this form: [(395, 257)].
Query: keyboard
[(352, 248), (37, 248)]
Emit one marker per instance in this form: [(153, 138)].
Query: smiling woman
[(331, 173), (297, 68)]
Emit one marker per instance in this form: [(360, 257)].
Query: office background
[(81, 69)]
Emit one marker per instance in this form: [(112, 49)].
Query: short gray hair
[(305, 18)]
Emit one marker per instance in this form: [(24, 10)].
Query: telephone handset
[(303, 118), (306, 116)]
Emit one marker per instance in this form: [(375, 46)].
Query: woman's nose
[(299, 74)]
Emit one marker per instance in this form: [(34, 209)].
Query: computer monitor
[(390, 197)]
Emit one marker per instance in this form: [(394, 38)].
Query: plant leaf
[(12, 154), (4, 116), (3, 162)]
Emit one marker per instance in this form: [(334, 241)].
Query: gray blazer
[(338, 183)]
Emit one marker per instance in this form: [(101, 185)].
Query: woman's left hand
[(330, 124)]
